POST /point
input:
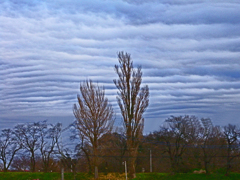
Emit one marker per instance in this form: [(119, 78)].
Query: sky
[(189, 51)]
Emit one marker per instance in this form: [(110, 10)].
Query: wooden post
[(150, 160), (96, 173), (62, 174), (126, 169)]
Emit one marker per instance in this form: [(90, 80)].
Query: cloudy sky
[(189, 51)]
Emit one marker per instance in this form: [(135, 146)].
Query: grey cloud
[(200, 12), (188, 50)]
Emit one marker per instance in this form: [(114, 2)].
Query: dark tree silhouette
[(133, 101), (8, 148), (21, 162), (28, 136), (231, 134), (49, 137), (176, 134), (210, 142)]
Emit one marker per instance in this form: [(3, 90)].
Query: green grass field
[(143, 176), (187, 176), (41, 176)]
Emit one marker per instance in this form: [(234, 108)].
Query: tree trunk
[(206, 167), (32, 163), (95, 162), (132, 161), (228, 162), (45, 166), (5, 169), (228, 166)]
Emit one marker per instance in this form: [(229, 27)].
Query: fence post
[(62, 174), (126, 169), (150, 160)]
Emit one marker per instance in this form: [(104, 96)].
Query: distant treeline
[(182, 144)]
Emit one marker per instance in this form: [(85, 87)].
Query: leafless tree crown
[(132, 99), (93, 113), (94, 116)]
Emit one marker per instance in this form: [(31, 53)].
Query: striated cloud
[(189, 53)]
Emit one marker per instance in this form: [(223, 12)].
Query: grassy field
[(187, 176), (143, 176), (41, 176)]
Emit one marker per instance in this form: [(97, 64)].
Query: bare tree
[(175, 133), (21, 162), (49, 136), (94, 116), (210, 142), (8, 148), (113, 148), (133, 101), (231, 134), (28, 136), (82, 146)]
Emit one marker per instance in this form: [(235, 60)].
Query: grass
[(187, 176), (28, 176), (41, 176), (116, 176)]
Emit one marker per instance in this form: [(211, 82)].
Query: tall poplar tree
[(133, 101)]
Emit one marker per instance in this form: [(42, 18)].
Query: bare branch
[(93, 113), (133, 101)]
